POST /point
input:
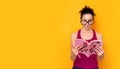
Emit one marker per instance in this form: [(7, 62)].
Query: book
[(88, 48)]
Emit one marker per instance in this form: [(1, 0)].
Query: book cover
[(87, 48)]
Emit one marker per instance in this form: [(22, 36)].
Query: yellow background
[(35, 34)]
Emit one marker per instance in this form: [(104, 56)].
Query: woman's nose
[(87, 24)]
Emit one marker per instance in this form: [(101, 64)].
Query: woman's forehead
[(87, 16)]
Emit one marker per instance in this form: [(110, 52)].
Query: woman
[(88, 34)]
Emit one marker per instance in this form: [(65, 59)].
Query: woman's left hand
[(99, 51)]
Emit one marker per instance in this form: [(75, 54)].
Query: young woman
[(88, 34)]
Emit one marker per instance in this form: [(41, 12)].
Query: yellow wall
[(36, 34)]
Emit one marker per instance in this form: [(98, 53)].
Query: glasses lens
[(90, 21)]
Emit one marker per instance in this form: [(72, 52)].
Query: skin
[(86, 33)]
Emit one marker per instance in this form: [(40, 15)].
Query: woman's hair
[(87, 10)]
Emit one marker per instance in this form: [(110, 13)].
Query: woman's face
[(87, 21)]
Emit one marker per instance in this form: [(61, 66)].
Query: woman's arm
[(74, 49), (101, 51)]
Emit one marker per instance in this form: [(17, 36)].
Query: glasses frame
[(84, 21)]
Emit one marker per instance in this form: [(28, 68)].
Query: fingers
[(77, 47), (99, 49)]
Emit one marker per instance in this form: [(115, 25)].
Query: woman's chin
[(87, 28)]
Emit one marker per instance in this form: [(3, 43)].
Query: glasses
[(84, 21)]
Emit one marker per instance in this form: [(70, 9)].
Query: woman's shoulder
[(99, 36), (74, 35)]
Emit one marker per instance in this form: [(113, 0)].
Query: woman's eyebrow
[(87, 19)]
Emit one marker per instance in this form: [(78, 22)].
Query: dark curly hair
[(87, 10)]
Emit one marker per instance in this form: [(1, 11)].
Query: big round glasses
[(84, 21)]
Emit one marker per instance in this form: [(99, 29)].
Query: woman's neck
[(86, 30)]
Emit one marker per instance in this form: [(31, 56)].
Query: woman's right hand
[(76, 49)]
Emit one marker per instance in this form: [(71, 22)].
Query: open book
[(88, 47)]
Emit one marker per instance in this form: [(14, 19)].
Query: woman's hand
[(76, 49), (99, 51)]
